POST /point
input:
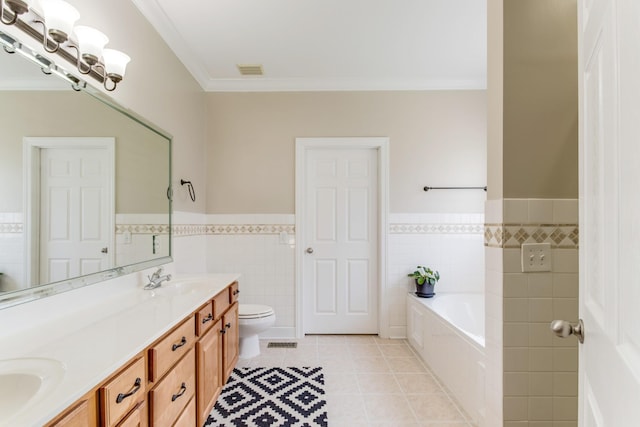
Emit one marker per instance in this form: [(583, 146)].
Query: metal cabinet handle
[(563, 329), (208, 318), (227, 326), (309, 250), (183, 389), (236, 292), (182, 342), (123, 396)]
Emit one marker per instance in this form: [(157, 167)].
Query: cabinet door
[(231, 339), (82, 415), (209, 370)]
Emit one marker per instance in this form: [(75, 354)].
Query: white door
[(75, 227), (609, 364), (340, 241)]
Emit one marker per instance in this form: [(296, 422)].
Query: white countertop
[(94, 340)]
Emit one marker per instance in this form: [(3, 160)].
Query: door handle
[(104, 250), (309, 250), (563, 329)]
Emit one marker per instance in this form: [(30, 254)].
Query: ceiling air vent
[(250, 69)]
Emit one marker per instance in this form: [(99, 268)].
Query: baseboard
[(279, 332), (397, 332)]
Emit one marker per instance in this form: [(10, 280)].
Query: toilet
[(252, 320)]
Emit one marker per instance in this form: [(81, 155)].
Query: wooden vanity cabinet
[(230, 340), (138, 417), (173, 382), (209, 368), (81, 414), (125, 391), (173, 393)]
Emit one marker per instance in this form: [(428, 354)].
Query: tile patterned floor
[(370, 382)]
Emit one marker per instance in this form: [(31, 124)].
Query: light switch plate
[(536, 257)]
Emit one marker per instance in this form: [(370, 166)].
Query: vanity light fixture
[(16, 7), (81, 45), (59, 19)]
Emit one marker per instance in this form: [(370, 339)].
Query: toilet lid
[(252, 311)]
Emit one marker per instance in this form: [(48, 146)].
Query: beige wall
[(533, 150), (540, 99), (158, 87), (495, 65), (142, 156), (437, 138)]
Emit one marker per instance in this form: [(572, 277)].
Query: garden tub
[(447, 331)]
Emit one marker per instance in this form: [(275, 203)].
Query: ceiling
[(314, 45)]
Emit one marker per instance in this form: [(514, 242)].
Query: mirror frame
[(13, 298)]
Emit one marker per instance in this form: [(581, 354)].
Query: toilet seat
[(254, 311)]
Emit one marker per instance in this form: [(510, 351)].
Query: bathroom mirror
[(84, 183)]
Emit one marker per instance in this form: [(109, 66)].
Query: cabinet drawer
[(188, 417), (204, 319), (167, 351), (137, 417), (123, 392), (221, 303), (233, 289), (173, 392)]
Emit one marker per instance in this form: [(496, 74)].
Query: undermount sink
[(24, 382)]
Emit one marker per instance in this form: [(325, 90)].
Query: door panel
[(74, 187), (325, 287), (609, 365), (340, 271)]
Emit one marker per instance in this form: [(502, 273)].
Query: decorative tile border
[(181, 230), (562, 236), (455, 228), (11, 228), (142, 228)]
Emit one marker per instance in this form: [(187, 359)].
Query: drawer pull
[(123, 396), (236, 292), (183, 389), (208, 318), (183, 341)]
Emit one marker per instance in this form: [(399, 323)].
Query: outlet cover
[(536, 257)]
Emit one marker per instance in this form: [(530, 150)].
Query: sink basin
[(24, 382), (180, 287)]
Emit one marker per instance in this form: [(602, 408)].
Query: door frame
[(381, 144), (31, 147)]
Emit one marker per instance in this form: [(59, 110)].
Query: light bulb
[(115, 63), (59, 17), (90, 43)]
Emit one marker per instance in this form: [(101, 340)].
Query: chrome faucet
[(156, 279)]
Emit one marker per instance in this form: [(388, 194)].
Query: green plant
[(424, 275)]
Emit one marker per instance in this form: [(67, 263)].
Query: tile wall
[(262, 248), (11, 251), (540, 371), (452, 244)]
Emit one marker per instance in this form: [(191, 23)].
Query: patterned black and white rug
[(270, 397)]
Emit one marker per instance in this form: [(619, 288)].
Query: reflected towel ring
[(192, 191)]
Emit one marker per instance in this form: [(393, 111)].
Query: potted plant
[(425, 279)]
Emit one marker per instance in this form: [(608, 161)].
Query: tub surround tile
[(540, 211), (565, 359), (532, 354), (565, 384)]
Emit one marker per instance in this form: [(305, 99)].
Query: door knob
[(309, 250), (563, 329)]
